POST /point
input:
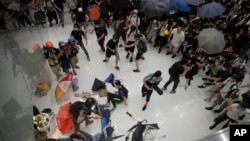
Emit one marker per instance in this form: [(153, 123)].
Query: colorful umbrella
[(210, 10), (64, 119), (211, 40), (63, 86)]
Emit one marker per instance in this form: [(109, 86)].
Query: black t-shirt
[(175, 70), (100, 30), (111, 44), (59, 4), (77, 35)]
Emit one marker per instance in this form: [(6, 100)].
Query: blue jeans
[(83, 48), (176, 82)]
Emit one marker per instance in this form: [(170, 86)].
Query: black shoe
[(201, 86), (209, 108), (168, 53), (103, 49), (144, 108), (50, 25), (117, 68), (209, 83), (173, 56), (217, 111), (143, 94), (127, 55), (63, 25), (120, 45), (205, 79), (212, 127), (104, 60), (131, 60), (159, 51), (136, 70)]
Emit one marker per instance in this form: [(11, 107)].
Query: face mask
[(155, 21), (96, 26), (114, 40)]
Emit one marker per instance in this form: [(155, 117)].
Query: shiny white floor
[(180, 116)]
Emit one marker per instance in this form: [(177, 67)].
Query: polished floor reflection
[(180, 116)]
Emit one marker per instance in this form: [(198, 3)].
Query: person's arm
[(131, 45), (186, 69), (244, 85), (107, 46), (102, 36), (145, 83)]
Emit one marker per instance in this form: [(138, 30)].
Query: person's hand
[(97, 40)]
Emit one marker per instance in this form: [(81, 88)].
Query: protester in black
[(111, 49), (176, 71), (80, 112), (101, 32)]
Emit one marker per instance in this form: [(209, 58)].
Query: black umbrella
[(98, 85), (119, 5)]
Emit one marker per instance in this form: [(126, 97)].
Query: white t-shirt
[(131, 36), (177, 37), (134, 20)]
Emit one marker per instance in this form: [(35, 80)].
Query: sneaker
[(120, 45), (88, 59), (77, 67), (62, 25), (212, 127), (117, 68), (205, 79), (50, 25), (104, 60), (172, 92), (201, 86), (131, 60), (144, 108), (209, 108), (209, 83), (173, 56), (127, 55), (103, 49), (163, 89), (74, 72), (136, 70), (217, 111)]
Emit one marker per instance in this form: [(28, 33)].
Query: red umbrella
[(64, 119)]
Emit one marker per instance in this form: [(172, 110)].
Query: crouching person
[(121, 95)]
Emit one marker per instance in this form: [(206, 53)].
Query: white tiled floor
[(180, 116)]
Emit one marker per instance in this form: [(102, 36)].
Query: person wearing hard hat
[(53, 54)]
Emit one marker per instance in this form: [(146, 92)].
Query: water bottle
[(162, 137)]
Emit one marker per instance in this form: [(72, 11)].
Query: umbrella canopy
[(64, 119), (211, 40), (210, 10), (153, 8), (98, 85), (63, 86), (183, 6), (119, 5), (195, 2)]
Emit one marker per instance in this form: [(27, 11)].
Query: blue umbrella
[(210, 10), (183, 6), (173, 7)]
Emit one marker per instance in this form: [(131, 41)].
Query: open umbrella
[(64, 119), (153, 8), (63, 86), (119, 5), (211, 40), (210, 10), (195, 2), (183, 6), (98, 85), (93, 12)]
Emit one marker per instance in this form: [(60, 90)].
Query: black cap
[(118, 82)]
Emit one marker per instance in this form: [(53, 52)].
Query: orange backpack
[(94, 12)]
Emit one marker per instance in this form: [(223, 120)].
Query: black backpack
[(142, 47)]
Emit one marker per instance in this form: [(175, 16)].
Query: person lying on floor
[(121, 95)]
